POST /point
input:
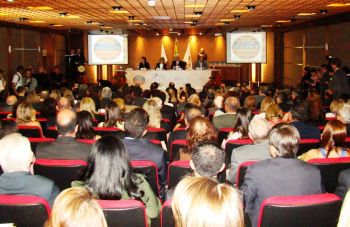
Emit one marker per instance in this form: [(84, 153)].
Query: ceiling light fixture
[(131, 17), (251, 7), (10, 1), (200, 33), (179, 33), (36, 21), (338, 4), (194, 5), (306, 14), (283, 21), (23, 19), (323, 11), (63, 14), (151, 3), (237, 17), (198, 13), (226, 20), (117, 8), (89, 22), (192, 15), (239, 10), (157, 34)]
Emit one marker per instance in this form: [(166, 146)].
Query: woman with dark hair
[(48, 111), (112, 117), (241, 127), (85, 126), (109, 176), (144, 64), (316, 113), (332, 143)]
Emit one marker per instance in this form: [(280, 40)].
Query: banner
[(163, 54), (188, 57), (176, 48)]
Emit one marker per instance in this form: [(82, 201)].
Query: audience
[(335, 107), (48, 111), (200, 201), (85, 125), (110, 177), (283, 174), (274, 115), (265, 103), (113, 118), (76, 207), (16, 160), (65, 146), (227, 120), (138, 148)]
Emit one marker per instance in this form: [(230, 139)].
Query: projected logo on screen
[(246, 47), (107, 48)]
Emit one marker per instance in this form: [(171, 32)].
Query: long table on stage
[(197, 78)]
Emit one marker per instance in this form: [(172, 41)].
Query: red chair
[(51, 132), (242, 169), (156, 134), (30, 131), (222, 134), (347, 141), (178, 170), (166, 215), (23, 210), (35, 141), (4, 114), (307, 144), (121, 213), (86, 141), (290, 211), (150, 170), (175, 146), (232, 144), (106, 131), (62, 172), (330, 169)]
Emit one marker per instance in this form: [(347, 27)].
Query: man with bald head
[(259, 133), (65, 146), (227, 120)]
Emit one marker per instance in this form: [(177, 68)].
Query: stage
[(197, 78)]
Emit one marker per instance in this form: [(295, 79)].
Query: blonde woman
[(25, 115), (76, 207), (56, 94), (274, 114), (335, 106), (153, 109), (88, 104), (266, 102), (344, 218), (200, 201)]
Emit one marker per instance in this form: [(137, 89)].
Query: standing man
[(178, 64), (18, 79), (339, 83), (202, 54)]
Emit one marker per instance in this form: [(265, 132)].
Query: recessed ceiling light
[(72, 16), (157, 34), (323, 11), (250, 7), (194, 5), (188, 22), (198, 13), (161, 17), (37, 21), (237, 17), (179, 33), (119, 11), (338, 4), (306, 14), (134, 20), (239, 11), (227, 20), (10, 0), (200, 33), (117, 8), (107, 27), (283, 21), (267, 26), (63, 14), (40, 7), (191, 15), (151, 3), (220, 23), (3, 14)]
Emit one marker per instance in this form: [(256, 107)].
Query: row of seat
[(287, 211)]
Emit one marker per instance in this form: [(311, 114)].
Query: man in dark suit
[(228, 119), (299, 114), (140, 149), (201, 64), (16, 160), (177, 63), (339, 84), (343, 183), (282, 175), (65, 146)]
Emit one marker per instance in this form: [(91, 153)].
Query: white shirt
[(17, 79)]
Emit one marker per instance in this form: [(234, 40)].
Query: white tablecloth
[(197, 78)]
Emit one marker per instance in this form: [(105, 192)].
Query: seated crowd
[(109, 127)]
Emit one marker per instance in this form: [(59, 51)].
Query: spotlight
[(195, 22), (117, 8), (323, 11), (89, 22), (131, 17), (200, 33), (170, 29), (157, 34), (237, 17), (251, 7), (198, 13), (23, 19), (63, 14), (226, 23), (179, 33)]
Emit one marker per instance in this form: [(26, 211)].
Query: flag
[(163, 54), (188, 57), (176, 48)]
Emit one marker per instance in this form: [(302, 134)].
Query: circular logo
[(81, 68), (138, 79), (107, 48), (246, 47)]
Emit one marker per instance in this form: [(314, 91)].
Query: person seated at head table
[(178, 64), (201, 63), (144, 64), (161, 64)]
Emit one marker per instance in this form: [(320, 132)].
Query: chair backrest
[(242, 169), (290, 211), (23, 211), (121, 213), (62, 172), (30, 131), (232, 144), (178, 170), (308, 144), (150, 170), (86, 141), (4, 114), (35, 141), (106, 131), (51, 132), (347, 141), (156, 134), (222, 134), (330, 169), (166, 215), (175, 146)]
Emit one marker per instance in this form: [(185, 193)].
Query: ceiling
[(98, 12)]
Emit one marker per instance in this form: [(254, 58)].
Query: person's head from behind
[(153, 110), (231, 104), (250, 102), (218, 101), (281, 97), (21, 90), (11, 100), (284, 141), (242, 121), (336, 105), (64, 103), (194, 99), (208, 160), (88, 104), (56, 94), (333, 136), (258, 130), (76, 207), (109, 170), (112, 114), (7, 127), (300, 111), (15, 153), (106, 93), (25, 113), (344, 114), (85, 125), (273, 112), (265, 103), (66, 122), (136, 123), (200, 201), (48, 108), (200, 129), (191, 111), (335, 63)]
